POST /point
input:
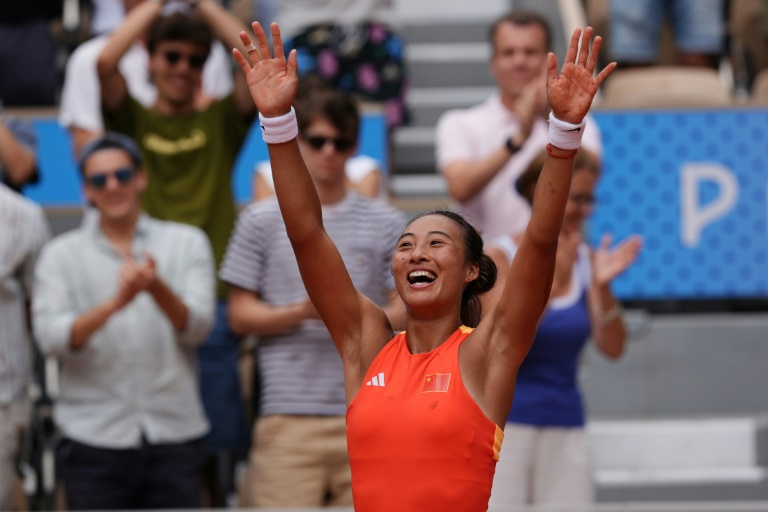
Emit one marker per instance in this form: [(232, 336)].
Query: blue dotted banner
[(693, 184)]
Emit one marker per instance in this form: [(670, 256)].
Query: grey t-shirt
[(301, 371)]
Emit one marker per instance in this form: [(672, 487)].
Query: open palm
[(272, 81), (609, 263), (570, 93)]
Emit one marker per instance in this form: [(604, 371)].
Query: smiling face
[(325, 151), (430, 266), (177, 69), (114, 185), (519, 54)]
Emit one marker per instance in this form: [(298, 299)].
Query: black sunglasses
[(317, 142), (195, 60), (123, 175)]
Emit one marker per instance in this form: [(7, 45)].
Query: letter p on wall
[(696, 216)]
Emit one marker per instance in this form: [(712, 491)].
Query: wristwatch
[(511, 146)]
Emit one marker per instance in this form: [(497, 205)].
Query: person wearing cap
[(189, 154), (123, 303)]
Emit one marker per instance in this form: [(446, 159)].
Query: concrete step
[(450, 11), (414, 150), (691, 458), (447, 31), (450, 73), (427, 104)]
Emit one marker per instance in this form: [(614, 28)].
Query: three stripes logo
[(377, 380)]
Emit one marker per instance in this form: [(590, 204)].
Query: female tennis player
[(426, 408)]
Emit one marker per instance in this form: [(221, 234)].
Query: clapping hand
[(571, 92), (609, 263), (135, 277), (272, 81)]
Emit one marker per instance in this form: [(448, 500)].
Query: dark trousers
[(149, 477)]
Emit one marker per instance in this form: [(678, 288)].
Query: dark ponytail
[(471, 307)]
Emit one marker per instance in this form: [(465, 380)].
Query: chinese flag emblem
[(436, 383)]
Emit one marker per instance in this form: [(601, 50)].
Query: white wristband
[(565, 135), (276, 130)]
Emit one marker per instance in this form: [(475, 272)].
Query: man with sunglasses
[(189, 154), (80, 108), (123, 303), (299, 452)]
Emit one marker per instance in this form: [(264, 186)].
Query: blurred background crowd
[(157, 349)]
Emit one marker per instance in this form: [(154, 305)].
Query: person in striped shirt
[(301, 377)]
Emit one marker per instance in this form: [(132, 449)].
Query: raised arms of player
[(351, 318), (506, 333)]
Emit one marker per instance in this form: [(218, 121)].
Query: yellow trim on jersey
[(498, 438)]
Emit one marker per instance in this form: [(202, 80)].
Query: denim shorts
[(698, 27)]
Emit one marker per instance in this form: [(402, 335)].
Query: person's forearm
[(136, 22), (261, 319), (296, 193), (170, 304), (17, 161), (90, 322), (550, 198), (609, 330), (226, 27), (467, 179)]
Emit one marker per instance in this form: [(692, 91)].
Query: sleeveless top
[(417, 440), (547, 392)]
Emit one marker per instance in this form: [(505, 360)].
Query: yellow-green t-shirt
[(189, 160)]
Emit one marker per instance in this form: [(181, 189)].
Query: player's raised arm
[(272, 82)]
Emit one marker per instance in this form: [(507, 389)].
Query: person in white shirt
[(23, 232), (80, 109), (482, 150), (123, 303)]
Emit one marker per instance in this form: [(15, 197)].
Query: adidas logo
[(377, 380)]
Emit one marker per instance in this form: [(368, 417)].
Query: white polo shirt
[(475, 133)]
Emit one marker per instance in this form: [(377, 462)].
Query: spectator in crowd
[(698, 27), (364, 173), (482, 150), (351, 45), (18, 163), (123, 303), (302, 390), (28, 52), (189, 154), (23, 232), (544, 459), (80, 109)]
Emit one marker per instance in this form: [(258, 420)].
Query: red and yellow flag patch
[(436, 383)]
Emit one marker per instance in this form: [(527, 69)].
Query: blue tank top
[(547, 392)]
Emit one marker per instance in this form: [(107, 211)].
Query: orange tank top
[(417, 441)]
